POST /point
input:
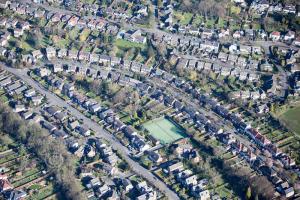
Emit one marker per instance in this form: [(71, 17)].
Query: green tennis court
[(165, 130)]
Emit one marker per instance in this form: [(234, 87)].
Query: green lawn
[(84, 35), (292, 119), (62, 43), (74, 33), (124, 44), (209, 23), (164, 130), (184, 18), (198, 20)]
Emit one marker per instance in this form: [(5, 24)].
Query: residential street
[(100, 132)]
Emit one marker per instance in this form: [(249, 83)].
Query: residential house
[(154, 157), (37, 100), (83, 130), (62, 53), (290, 35), (73, 21), (50, 52), (48, 126), (37, 54), (223, 56), (275, 36), (176, 167), (73, 54), (104, 59)]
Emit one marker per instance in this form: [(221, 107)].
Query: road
[(99, 132)]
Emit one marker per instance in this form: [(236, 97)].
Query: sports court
[(165, 130)]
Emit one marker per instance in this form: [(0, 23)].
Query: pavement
[(99, 131)]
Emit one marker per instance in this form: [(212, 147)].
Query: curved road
[(99, 132)]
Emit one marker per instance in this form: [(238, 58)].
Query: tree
[(119, 97), (46, 148)]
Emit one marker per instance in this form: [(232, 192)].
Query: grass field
[(124, 44), (164, 130), (292, 119)]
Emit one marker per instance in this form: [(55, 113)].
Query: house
[(232, 58), (289, 9), (224, 33), (233, 48), (4, 4), (3, 41), (5, 185), (37, 100), (17, 195), (176, 167), (30, 93), (207, 33), (136, 67), (68, 89), (169, 100), (210, 46), (290, 35), (73, 21), (57, 67), (83, 130), (245, 50), (104, 59), (73, 54), (289, 192), (19, 108), (111, 159), (52, 110), (139, 144), (200, 194), (297, 41), (126, 184), (236, 35), (85, 56), (47, 125), (262, 109), (190, 181), (225, 71), (62, 53), (266, 67), (115, 61), (37, 54), (95, 108), (243, 75), (27, 115), (275, 36), (94, 58), (59, 134), (50, 52), (223, 56), (61, 116), (136, 36), (18, 32), (154, 157)]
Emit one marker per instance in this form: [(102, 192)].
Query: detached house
[(37, 54), (73, 21), (275, 36), (50, 52), (289, 36)]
